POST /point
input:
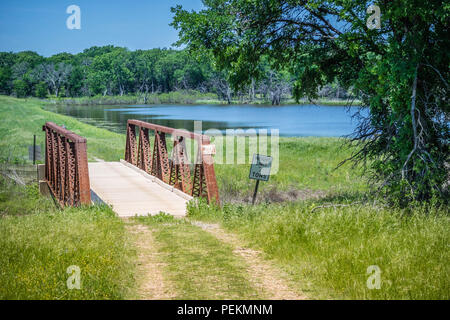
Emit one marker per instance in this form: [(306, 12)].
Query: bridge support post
[(144, 149), (130, 147), (66, 166)]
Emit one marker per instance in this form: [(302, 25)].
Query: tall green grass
[(39, 242), (307, 169), (327, 251)]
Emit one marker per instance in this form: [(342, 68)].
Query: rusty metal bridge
[(147, 181)]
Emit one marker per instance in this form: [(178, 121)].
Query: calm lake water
[(292, 120)]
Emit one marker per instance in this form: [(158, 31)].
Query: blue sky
[(40, 25)]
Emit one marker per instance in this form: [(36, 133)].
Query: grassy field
[(38, 242), (316, 223)]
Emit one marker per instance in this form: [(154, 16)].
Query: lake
[(291, 120)]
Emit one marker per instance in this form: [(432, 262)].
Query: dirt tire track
[(264, 275), (152, 285)]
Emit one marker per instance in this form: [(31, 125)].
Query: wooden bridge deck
[(131, 191)]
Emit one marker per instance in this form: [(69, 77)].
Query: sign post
[(34, 151), (260, 171), (255, 192)]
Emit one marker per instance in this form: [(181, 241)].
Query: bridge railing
[(175, 171), (66, 166)]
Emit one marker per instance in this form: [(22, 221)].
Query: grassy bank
[(39, 242), (189, 97), (322, 227), (306, 169), (23, 118), (176, 97)]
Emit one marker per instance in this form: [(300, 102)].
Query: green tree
[(20, 88), (166, 67), (121, 64), (7, 60), (62, 57), (400, 72), (110, 73), (144, 71), (5, 80), (99, 76), (76, 81), (41, 90), (54, 75), (29, 57)]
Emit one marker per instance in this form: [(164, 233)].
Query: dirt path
[(151, 283), (263, 274)]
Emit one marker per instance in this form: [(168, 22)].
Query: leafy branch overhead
[(400, 72)]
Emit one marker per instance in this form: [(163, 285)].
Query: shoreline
[(167, 99)]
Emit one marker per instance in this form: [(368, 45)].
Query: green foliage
[(399, 72), (20, 88), (176, 97), (5, 79), (41, 90), (30, 58), (76, 81)]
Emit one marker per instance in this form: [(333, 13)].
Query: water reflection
[(296, 120)]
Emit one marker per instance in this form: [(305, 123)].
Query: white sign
[(260, 169)]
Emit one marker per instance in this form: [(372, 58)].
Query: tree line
[(111, 70)]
